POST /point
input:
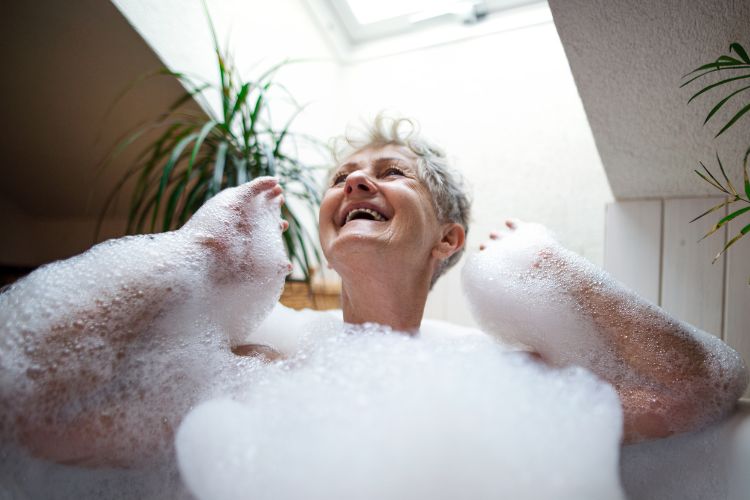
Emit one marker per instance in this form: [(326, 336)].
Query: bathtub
[(691, 466), (710, 464)]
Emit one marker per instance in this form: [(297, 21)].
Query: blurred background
[(567, 113)]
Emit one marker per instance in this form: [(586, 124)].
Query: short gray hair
[(450, 197)]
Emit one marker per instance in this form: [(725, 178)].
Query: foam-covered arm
[(671, 377), (86, 341)]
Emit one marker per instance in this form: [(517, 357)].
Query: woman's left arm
[(670, 376), (673, 377)]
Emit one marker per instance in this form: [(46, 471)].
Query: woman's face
[(376, 205)]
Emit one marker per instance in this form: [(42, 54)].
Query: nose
[(359, 183)]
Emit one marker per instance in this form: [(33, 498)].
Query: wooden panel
[(632, 245), (737, 296), (320, 297), (692, 288)]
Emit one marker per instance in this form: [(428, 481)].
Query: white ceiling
[(627, 58)]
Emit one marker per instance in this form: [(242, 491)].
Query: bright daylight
[(392, 250)]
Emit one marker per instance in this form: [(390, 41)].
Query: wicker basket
[(318, 296)]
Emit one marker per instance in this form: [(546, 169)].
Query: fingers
[(511, 224), (274, 192), (284, 225), (261, 185)]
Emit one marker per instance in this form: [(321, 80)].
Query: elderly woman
[(393, 219)]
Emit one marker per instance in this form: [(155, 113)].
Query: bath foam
[(367, 413), (102, 355), (525, 288)]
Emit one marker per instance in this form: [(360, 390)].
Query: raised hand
[(241, 229)]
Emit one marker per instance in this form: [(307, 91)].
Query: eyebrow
[(378, 162)]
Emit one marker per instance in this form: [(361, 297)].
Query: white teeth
[(375, 215)]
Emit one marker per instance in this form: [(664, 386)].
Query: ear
[(452, 241)]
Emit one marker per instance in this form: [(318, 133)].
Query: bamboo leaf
[(146, 180), (734, 118), (722, 102), (715, 183), (240, 167), (110, 199), (167, 172), (286, 127), (172, 204), (714, 85), (218, 177), (255, 114), (721, 68), (712, 209), (224, 84), (739, 235), (723, 172), (195, 197), (118, 149), (207, 128), (273, 69), (731, 61), (241, 97), (726, 219), (146, 210), (735, 214), (186, 97), (740, 51), (710, 68)]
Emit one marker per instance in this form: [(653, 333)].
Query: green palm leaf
[(717, 84), (740, 51), (722, 102), (726, 219), (731, 242), (736, 117)]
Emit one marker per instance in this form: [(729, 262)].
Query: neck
[(394, 299)]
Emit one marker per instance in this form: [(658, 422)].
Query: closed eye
[(393, 171), (338, 179)]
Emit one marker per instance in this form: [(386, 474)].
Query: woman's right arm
[(77, 333)]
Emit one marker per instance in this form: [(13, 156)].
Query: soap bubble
[(366, 413), (527, 289)]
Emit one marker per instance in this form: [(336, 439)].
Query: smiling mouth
[(364, 214)]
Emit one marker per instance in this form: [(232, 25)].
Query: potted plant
[(196, 155), (737, 63)]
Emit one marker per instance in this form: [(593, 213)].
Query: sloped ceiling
[(628, 58), (65, 63)]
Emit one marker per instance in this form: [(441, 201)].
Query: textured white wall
[(506, 109), (628, 58)]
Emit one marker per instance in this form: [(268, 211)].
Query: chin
[(354, 250)]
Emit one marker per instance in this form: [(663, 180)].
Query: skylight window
[(368, 20), (368, 12)]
